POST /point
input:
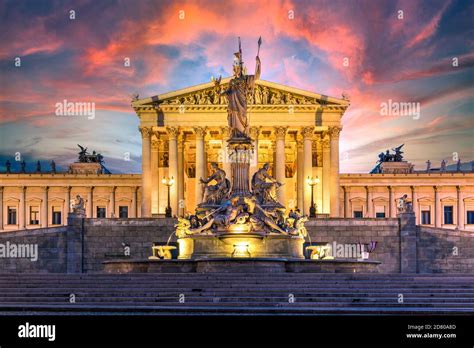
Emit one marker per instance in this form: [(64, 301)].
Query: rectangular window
[(380, 215), (123, 211), (448, 214), (470, 217), (357, 214), (56, 216), (11, 219), (34, 215), (101, 212), (425, 217)]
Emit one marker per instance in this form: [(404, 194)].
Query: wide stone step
[(236, 293), (113, 309), (241, 287), (240, 299), (170, 276), (193, 290)]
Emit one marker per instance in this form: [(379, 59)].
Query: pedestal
[(85, 168)]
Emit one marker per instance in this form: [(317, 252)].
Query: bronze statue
[(53, 167), (214, 194), (23, 167), (264, 186)]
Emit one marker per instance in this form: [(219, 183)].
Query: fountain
[(240, 226), (240, 218)]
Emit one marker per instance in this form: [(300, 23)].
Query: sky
[(375, 51)]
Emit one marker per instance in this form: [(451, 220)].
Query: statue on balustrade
[(403, 205), (53, 167), (214, 194), (78, 207), (264, 186)]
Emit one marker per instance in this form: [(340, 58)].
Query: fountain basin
[(223, 245), (239, 265)]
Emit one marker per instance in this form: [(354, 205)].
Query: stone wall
[(352, 231), (421, 249), (51, 247), (106, 239), (443, 250)]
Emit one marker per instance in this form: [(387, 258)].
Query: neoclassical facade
[(183, 132), (295, 131)]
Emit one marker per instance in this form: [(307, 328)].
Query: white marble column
[(226, 133), (181, 201), (326, 146), (173, 133), (200, 133), (334, 179), (1, 208), (369, 204), (300, 180), (68, 201), (44, 208), (146, 171), (90, 202), (134, 213), (280, 133), (461, 213), (112, 203), (254, 133), (438, 213), (347, 208), (307, 133), (318, 172), (22, 209), (391, 203), (155, 180), (414, 202)]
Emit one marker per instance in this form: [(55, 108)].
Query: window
[(380, 211), (123, 211), (448, 214), (34, 215), (56, 216), (357, 213), (101, 212), (11, 216), (425, 217), (470, 217)]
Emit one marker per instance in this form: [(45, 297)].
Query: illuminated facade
[(183, 132)]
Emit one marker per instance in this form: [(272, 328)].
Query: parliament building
[(297, 132)]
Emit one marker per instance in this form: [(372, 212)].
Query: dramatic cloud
[(362, 48)]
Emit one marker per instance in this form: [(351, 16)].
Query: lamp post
[(168, 182), (312, 182)]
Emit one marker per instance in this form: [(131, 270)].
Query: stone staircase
[(236, 293)]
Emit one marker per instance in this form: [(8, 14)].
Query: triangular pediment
[(265, 93)]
